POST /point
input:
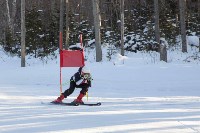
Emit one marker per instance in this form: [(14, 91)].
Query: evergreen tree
[(34, 32), (41, 40)]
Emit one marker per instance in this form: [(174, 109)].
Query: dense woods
[(42, 24)]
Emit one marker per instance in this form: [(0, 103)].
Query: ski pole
[(87, 95)]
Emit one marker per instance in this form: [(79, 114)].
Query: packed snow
[(139, 94)]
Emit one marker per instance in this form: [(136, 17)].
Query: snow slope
[(139, 94)]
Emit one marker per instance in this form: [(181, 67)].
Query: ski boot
[(59, 99), (78, 100)]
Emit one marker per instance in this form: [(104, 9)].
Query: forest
[(42, 23)]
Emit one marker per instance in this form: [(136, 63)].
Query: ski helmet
[(85, 70)]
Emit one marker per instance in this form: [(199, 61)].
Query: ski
[(92, 104), (74, 104), (65, 104)]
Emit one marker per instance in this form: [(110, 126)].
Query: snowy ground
[(141, 95)]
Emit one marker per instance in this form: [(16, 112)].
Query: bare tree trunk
[(162, 46), (182, 5), (61, 23), (96, 13), (199, 20), (199, 43), (23, 33), (67, 25), (199, 9), (157, 28), (122, 27), (53, 2), (13, 16), (2, 22), (53, 10), (8, 14), (163, 52)]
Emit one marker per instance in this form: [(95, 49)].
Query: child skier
[(81, 79)]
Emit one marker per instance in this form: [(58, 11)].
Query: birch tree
[(96, 14)]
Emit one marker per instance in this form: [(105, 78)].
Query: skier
[(81, 79)]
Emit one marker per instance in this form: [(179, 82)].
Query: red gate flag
[(71, 58)]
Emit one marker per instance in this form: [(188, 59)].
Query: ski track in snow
[(26, 113)]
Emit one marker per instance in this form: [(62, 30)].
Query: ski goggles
[(86, 75)]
